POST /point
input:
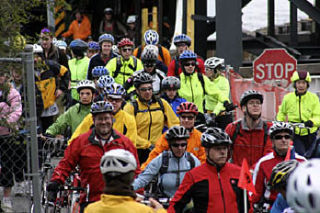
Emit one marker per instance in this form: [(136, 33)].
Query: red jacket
[(210, 190), (249, 143), (172, 67), (262, 174), (86, 152)]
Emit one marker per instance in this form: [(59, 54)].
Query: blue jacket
[(166, 180), (279, 205), (175, 102)]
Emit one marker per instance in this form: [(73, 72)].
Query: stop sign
[(274, 64)]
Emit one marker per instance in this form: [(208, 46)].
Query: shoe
[(19, 189), (6, 204)]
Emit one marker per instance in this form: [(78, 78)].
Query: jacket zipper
[(222, 194), (150, 123), (300, 112)]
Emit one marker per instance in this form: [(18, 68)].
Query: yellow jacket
[(124, 123), (151, 120), (118, 203)]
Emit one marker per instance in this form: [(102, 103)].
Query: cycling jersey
[(194, 147), (78, 70), (72, 117), (210, 190), (150, 121), (86, 151), (117, 203), (171, 179), (123, 123), (249, 143), (299, 109)]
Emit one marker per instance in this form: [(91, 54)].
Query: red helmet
[(125, 42), (187, 107)]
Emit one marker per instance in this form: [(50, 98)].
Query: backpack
[(237, 131), (165, 163), (119, 65), (159, 49), (136, 107)]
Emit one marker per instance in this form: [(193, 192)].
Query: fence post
[(31, 123)]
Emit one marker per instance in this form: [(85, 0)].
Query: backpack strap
[(165, 163), (236, 132), (265, 129), (161, 52), (135, 107), (200, 77), (118, 67), (135, 62), (191, 160)]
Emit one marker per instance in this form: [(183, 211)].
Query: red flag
[(288, 154), (245, 179)]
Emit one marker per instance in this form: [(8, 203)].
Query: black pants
[(46, 122), (305, 145)]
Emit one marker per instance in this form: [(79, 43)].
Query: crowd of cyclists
[(140, 122)]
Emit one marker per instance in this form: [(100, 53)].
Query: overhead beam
[(308, 8)]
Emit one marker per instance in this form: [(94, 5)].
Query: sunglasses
[(279, 137), (145, 89), (176, 145), (149, 64), (187, 117), (114, 100), (127, 49), (190, 64)]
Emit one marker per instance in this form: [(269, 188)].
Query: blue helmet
[(188, 54), (93, 45), (100, 107), (99, 71), (61, 44), (106, 37), (78, 44), (151, 37), (115, 90), (182, 38), (104, 81)]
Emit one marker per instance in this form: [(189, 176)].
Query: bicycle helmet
[(100, 107), (303, 188), (125, 42), (176, 133), (201, 127), (108, 10), (61, 44), (117, 161), (151, 37), (99, 71), (250, 94), (187, 107), (106, 37), (278, 126), (150, 53), (78, 44), (170, 82), (142, 78), (104, 81), (214, 62), (131, 19), (92, 45), (115, 90), (214, 136), (86, 84), (280, 174), (182, 38), (37, 48), (301, 75), (188, 55)]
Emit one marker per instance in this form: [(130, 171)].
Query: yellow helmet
[(301, 75)]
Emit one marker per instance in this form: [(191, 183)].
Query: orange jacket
[(194, 147), (81, 31), (165, 58)]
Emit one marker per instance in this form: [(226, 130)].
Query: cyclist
[(250, 134), (213, 185), (187, 112), (93, 48), (87, 150), (78, 66), (101, 59), (183, 43), (151, 37), (124, 123), (281, 134), (169, 87), (151, 114), (214, 68), (75, 114), (117, 167), (124, 65), (303, 190), (278, 182), (302, 106), (170, 166)]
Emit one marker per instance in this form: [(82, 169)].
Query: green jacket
[(298, 109), (212, 103), (72, 117), (78, 70)]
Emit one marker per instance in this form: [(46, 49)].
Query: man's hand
[(52, 188), (58, 93), (155, 204), (308, 123), (229, 106)]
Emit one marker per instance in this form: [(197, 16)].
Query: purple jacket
[(10, 109)]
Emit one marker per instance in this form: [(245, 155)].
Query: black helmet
[(250, 94), (176, 133), (170, 82), (142, 78), (281, 172), (215, 136)]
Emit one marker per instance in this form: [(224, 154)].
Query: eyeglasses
[(176, 145), (187, 117), (145, 89), (127, 49), (279, 137), (190, 64), (149, 64), (114, 100)]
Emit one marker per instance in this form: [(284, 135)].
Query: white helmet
[(37, 48), (150, 53), (214, 62), (303, 188), (115, 49), (278, 126), (131, 19), (118, 161), (86, 84)]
